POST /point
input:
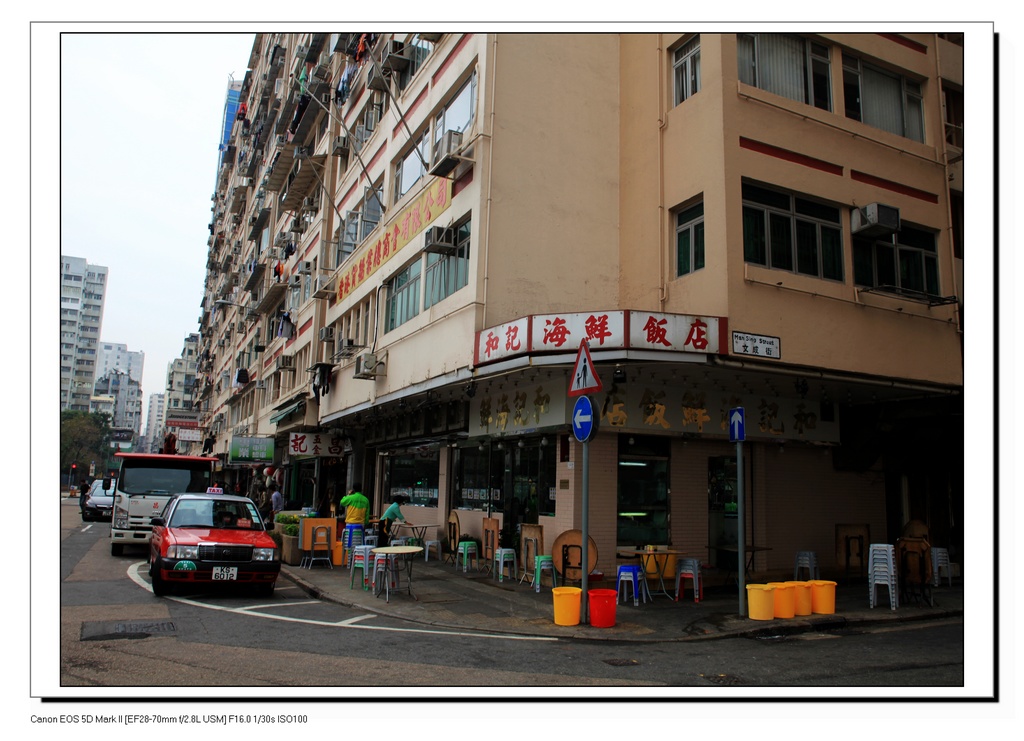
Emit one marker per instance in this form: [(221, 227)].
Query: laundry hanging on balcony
[(345, 84), (286, 327), (241, 377)]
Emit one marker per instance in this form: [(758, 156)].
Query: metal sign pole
[(584, 529), (741, 531)]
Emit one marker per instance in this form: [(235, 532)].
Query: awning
[(287, 411)]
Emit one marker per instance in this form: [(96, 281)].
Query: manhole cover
[(126, 629)]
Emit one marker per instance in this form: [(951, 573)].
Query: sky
[(139, 133)]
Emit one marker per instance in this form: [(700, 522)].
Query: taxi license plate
[(225, 573)]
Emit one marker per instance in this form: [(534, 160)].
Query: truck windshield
[(174, 480)]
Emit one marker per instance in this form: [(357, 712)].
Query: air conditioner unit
[(323, 287), (241, 326), (295, 281), (327, 334), (301, 51), (393, 57), (309, 204), (261, 384), (340, 145), (221, 343), (439, 239), (375, 80), (305, 267), (875, 220), (278, 87), (346, 348), (446, 156), (366, 366), (285, 362)]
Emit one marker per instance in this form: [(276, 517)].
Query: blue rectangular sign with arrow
[(736, 422)]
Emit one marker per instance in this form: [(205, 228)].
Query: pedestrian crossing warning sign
[(584, 375)]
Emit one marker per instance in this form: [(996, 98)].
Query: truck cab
[(145, 483)]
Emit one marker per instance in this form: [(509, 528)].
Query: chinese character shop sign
[(603, 330), (315, 444), (251, 450)]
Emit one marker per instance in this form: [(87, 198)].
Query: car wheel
[(159, 585), (116, 549)]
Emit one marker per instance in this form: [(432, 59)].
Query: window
[(791, 66), (360, 222), (686, 69), (953, 108), (906, 261), (412, 166), (882, 99), (690, 239), (403, 297), (445, 274), (785, 232), (416, 50), (458, 114)]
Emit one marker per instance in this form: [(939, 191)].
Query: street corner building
[(413, 235)]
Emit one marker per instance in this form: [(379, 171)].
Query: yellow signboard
[(401, 230)]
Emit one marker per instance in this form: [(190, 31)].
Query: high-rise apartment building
[(179, 411), (127, 394), (114, 356), (759, 233), (154, 422), (82, 294)]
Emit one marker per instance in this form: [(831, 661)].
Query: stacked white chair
[(882, 572), (689, 568), (806, 560), (940, 559), (505, 557)]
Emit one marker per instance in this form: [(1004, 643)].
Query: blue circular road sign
[(584, 423)]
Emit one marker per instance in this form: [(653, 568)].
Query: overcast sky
[(140, 126)]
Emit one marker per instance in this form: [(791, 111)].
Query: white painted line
[(279, 604), (134, 575)]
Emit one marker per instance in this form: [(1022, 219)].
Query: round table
[(573, 538), (406, 551)]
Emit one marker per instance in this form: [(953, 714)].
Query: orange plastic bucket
[(567, 605), (785, 596), (760, 601), (801, 597), (823, 597)]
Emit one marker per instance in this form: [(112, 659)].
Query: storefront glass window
[(643, 511), (415, 475)]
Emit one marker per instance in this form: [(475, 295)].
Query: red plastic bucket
[(602, 607)]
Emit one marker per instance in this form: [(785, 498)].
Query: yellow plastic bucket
[(802, 597), (823, 597), (784, 598), (760, 601), (567, 605)]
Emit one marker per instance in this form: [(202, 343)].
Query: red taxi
[(212, 539)]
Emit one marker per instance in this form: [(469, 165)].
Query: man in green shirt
[(357, 514)]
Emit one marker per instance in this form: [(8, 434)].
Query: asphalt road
[(115, 633)]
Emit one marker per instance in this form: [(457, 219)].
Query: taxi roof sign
[(584, 375)]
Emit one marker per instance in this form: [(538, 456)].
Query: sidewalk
[(475, 601)]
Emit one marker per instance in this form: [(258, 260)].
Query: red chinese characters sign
[(604, 330), (315, 444), (401, 230)]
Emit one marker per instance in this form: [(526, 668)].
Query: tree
[(84, 437)]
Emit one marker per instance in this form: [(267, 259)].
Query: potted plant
[(282, 521), (290, 544)]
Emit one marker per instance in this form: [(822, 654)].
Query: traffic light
[(74, 468)]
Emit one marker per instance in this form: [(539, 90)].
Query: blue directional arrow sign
[(583, 422), (736, 422)]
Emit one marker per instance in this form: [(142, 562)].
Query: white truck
[(144, 485)]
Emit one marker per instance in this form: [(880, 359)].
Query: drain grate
[(103, 631)]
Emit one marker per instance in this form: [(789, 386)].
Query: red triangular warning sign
[(584, 378)]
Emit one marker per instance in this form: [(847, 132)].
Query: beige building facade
[(413, 234)]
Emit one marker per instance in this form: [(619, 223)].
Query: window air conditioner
[(340, 145), (305, 267), (261, 384), (296, 281), (439, 239), (375, 80), (366, 366), (285, 362), (327, 334), (322, 288), (875, 220), (300, 51), (446, 157)]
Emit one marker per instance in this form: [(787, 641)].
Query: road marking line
[(279, 604), (133, 574)]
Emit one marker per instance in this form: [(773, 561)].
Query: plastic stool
[(632, 574), (427, 545), (504, 556), (467, 550), (370, 540), (940, 558), (360, 560), (806, 560), (401, 540), (689, 568), (882, 572), (540, 565), (385, 575)]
